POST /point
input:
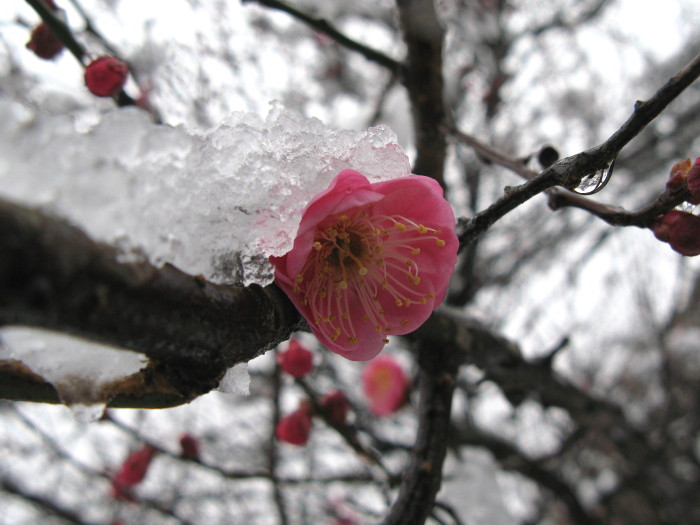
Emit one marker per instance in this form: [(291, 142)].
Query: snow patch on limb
[(82, 372)]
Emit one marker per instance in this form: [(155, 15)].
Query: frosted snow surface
[(216, 203)]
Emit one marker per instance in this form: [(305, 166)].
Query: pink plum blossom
[(370, 260), (384, 384), (297, 361)]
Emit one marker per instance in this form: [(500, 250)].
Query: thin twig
[(328, 29)]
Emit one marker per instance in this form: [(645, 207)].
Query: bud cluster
[(681, 229)]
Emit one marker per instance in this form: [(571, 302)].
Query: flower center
[(362, 263)]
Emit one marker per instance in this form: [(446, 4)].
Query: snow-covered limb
[(53, 276)]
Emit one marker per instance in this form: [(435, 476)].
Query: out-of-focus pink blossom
[(295, 428), (105, 76), (296, 360), (132, 472), (337, 405), (370, 260), (44, 43), (189, 446), (385, 385), (681, 230)]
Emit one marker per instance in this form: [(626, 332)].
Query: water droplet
[(596, 181)]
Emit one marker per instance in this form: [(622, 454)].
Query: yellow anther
[(415, 251), (352, 340), (422, 229), (399, 302), (363, 271), (317, 246), (343, 285), (404, 322), (400, 226), (386, 341), (439, 242), (299, 278)]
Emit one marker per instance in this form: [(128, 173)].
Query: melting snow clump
[(236, 381), (81, 371), (216, 203)]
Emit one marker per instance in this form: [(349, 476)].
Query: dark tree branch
[(348, 433), (616, 216), (438, 364), (570, 171), (54, 277), (328, 29), (423, 80), (511, 458), (47, 505), (60, 29)]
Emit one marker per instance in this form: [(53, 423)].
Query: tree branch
[(423, 80), (328, 29), (54, 277), (616, 216), (570, 171), (421, 482)]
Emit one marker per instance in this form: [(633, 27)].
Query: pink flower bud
[(337, 405), (105, 76), (189, 447), (370, 260), (681, 230), (385, 385), (44, 43), (295, 428), (297, 360)]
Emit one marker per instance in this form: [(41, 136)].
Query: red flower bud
[(189, 447), (681, 230), (44, 43), (337, 405), (105, 76), (294, 428), (134, 468), (297, 360), (694, 182)]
